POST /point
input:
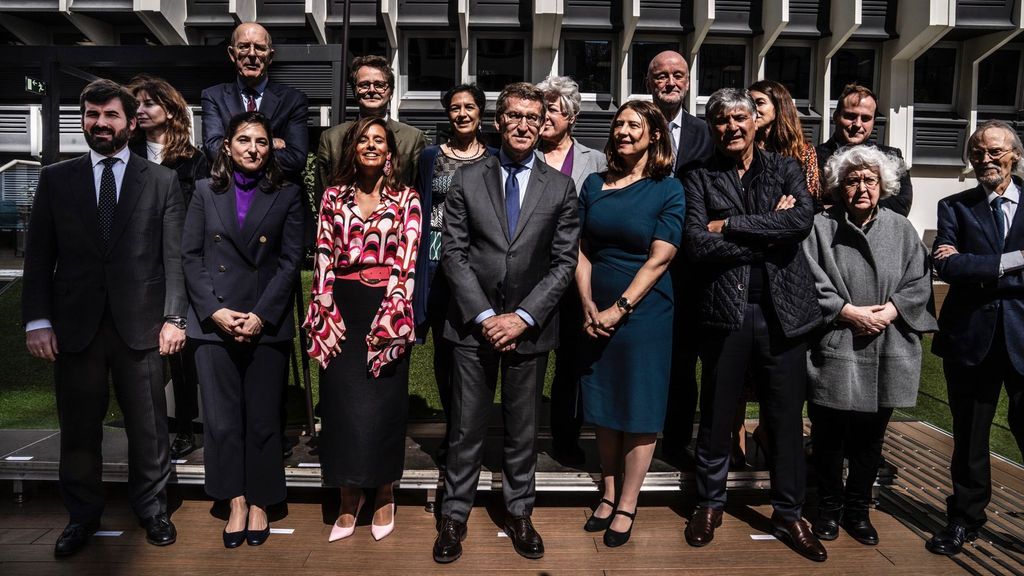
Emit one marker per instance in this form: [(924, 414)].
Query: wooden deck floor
[(909, 510)]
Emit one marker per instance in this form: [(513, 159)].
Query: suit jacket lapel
[(227, 211), (261, 204), (268, 105), (233, 101), (983, 212), (492, 180), (534, 190), (132, 188), (84, 196)]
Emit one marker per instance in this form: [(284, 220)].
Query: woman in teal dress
[(632, 225)]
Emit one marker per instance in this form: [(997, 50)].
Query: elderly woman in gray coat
[(873, 281)]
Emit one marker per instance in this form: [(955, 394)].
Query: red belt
[(368, 275)]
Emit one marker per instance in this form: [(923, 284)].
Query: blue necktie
[(1000, 217), (107, 201), (512, 196)]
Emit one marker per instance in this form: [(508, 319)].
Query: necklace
[(473, 152)]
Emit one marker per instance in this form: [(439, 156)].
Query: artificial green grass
[(26, 388)]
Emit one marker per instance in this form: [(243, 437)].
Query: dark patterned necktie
[(108, 200), (512, 196), (250, 99), (1000, 217)]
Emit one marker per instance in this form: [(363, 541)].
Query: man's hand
[(172, 339), (944, 251), (785, 203), (865, 320), (503, 330), (278, 144), (715, 226), (229, 321), (42, 343)]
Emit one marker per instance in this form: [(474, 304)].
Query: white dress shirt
[(1014, 260)]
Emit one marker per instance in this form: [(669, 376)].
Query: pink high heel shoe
[(337, 532), (381, 532)]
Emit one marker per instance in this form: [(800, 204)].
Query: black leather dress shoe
[(525, 538), (159, 530), (183, 445), (951, 539), (448, 546), (826, 526), (73, 538), (234, 539), (798, 536), (596, 523), (700, 530), (858, 525), (613, 539)]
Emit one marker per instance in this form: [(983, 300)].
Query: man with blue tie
[(509, 249), (978, 251)]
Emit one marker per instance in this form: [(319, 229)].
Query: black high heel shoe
[(613, 539), (597, 524)]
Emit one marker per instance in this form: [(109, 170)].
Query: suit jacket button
[(216, 237), (220, 298), (263, 239), (222, 268)]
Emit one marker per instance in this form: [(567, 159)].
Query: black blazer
[(487, 267), (978, 297), (695, 146), (287, 109), (898, 203), (247, 269), (70, 279), (189, 170)]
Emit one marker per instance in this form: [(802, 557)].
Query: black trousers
[(779, 367), (242, 386), (83, 396), (185, 385), (682, 389), (855, 436), (973, 395), (474, 379), (566, 402)]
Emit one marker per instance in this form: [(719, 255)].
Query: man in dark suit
[(509, 250), (103, 293), (979, 251), (373, 83), (252, 52), (855, 120), (668, 81)]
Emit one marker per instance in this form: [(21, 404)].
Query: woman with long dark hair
[(360, 322), (241, 250)]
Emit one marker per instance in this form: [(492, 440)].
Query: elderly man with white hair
[(978, 251), (873, 281)]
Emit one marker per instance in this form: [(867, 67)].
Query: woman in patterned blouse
[(361, 323)]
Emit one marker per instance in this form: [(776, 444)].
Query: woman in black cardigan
[(241, 250)]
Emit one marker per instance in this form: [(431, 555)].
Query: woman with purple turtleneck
[(241, 250)]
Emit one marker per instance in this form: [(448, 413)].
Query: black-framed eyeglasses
[(514, 118), (979, 154), (377, 86), (852, 183)]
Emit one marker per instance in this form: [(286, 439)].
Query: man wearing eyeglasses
[(373, 83), (508, 250), (854, 122), (252, 52), (978, 251)]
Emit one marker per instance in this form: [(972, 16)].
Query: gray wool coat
[(887, 262)]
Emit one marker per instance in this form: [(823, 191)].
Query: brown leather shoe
[(700, 530), (798, 536)]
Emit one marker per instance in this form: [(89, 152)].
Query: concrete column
[(242, 10), (316, 18), (630, 17), (703, 18), (165, 19), (974, 51), (844, 20), (774, 17), (547, 37)]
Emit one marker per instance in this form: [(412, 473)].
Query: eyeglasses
[(854, 183), (514, 118), (377, 86), (259, 49), (979, 154)]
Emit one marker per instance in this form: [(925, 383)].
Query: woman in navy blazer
[(242, 247)]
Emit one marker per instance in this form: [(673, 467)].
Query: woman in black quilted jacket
[(747, 212)]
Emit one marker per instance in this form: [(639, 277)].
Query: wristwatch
[(624, 305), (178, 322)]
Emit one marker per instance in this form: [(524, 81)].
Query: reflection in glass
[(589, 63), (721, 66), (997, 79), (431, 64), (499, 62), (933, 76), (852, 65), (791, 67)]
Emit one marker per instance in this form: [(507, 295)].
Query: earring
[(387, 165)]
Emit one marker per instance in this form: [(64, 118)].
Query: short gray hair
[(888, 167), (1015, 144), (567, 91), (726, 99)]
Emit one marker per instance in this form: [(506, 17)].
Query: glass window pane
[(499, 62), (367, 46), (853, 65), (791, 67), (589, 62), (933, 76), (432, 64), (997, 79), (641, 55), (722, 66)]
